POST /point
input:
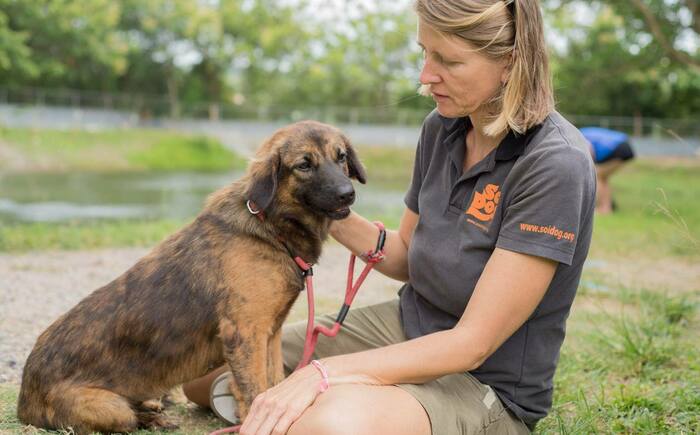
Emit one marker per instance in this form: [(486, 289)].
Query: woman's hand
[(274, 411)]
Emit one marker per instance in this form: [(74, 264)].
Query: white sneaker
[(222, 401)]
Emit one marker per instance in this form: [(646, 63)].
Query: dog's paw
[(153, 405), (169, 400), (155, 420)]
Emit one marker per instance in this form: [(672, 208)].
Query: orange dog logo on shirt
[(484, 204)]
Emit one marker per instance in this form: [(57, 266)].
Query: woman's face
[(460, 78)]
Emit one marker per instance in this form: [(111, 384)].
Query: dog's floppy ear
[(263, 181), (355, 168)]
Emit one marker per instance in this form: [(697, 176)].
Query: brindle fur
[(216, 291)]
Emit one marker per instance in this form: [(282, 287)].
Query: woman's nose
[(428, 75)]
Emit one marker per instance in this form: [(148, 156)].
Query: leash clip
[(306, 268)]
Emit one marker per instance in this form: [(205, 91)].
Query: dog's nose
[(346, 194)]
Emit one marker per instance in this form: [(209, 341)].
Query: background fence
[(242, 127)]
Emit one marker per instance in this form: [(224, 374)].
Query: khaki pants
[(456, 404)]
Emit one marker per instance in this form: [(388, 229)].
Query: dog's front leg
[(245, 350), (275, 367)]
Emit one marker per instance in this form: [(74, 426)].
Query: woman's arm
[(360, 235), (508, 291)]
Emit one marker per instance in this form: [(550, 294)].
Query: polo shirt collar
[(513, 145), (455, 132)]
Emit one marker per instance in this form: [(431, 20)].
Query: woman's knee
[(362, 409), (331, 416)]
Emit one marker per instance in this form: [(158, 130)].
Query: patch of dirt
[(670, 275), (666, 162)]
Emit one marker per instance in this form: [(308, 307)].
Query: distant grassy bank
[(23, 149), (643, 191)]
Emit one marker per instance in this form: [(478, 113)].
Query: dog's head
[(309, 165)]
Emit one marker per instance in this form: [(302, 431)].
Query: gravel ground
[(36, 288)]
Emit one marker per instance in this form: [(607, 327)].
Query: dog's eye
[(304, 166), (342, 156)]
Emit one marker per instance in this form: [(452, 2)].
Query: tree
[(607, 67), (67, 43), (672, 25), (270, 44), (15, 55), (668, 22), (159, 32), (367, 58)]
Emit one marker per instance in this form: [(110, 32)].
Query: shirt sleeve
[(411, 197), (551, 195)]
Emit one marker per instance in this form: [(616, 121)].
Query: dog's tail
[(80, 408)]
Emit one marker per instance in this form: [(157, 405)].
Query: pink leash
[(373, 257)]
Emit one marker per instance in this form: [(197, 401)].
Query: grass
[(84, 235), (113, 150), (630, 363), (652, 195), (388, 165), (190, 419), (629, 371)]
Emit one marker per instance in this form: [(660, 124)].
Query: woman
[(491, 246)]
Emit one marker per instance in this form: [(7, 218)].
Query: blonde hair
[(501, 28)]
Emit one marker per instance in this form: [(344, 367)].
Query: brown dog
[(217, 291)]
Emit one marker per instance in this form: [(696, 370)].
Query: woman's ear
[(510, 61), (355, 168), (263, 181)]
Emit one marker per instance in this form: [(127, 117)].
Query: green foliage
[(618, 66), (15, 55), (275, 55), (372, 64), (63, 43)]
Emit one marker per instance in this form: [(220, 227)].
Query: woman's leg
[(603, 191), (456, 404), (363, 409), (364, 328)]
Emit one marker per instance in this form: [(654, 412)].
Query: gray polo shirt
[(534, 194)]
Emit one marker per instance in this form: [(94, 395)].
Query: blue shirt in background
[(603, 140)]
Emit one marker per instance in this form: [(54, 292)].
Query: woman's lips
[(440, 97)]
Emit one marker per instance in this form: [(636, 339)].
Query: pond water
[(70, 196)]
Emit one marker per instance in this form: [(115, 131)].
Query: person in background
[(611, 150)]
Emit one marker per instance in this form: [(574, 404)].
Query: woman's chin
[(449, 111)]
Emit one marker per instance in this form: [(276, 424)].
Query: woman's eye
[(304, 166), (342, 157)]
